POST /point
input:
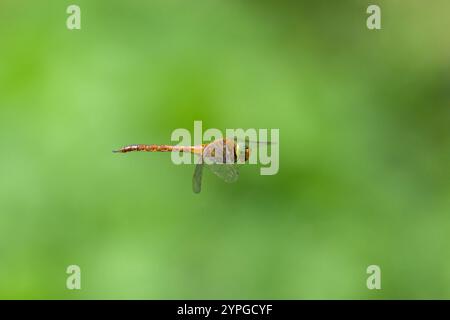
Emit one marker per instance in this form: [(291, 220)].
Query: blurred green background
[(364, 119)]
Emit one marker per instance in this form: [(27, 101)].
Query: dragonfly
[(221, 156)]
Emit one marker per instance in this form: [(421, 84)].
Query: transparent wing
[(219, 151), (228, 172), (197, 178), (247, 141), (219, 157)]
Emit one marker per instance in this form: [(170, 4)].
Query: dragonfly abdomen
[(155, 148)]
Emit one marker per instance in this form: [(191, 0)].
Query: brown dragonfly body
[(206, 149), (160, 148), (221, 156)]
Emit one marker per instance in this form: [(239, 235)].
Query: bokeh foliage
[(364, 119)]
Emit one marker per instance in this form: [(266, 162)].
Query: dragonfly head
[(247, 153), (242, 152)]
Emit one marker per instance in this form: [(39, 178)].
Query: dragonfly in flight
[(220, 156)]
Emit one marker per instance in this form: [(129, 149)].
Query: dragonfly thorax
[(226, 151)]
